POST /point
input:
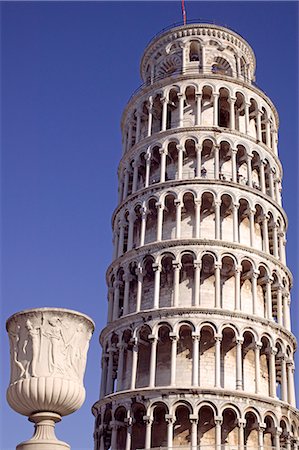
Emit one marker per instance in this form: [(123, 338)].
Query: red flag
[(184, 11)]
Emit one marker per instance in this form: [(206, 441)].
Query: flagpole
[(184, 12)]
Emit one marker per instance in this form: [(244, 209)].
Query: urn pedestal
[(48, 351)]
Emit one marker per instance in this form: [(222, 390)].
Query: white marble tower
[(198, 352)]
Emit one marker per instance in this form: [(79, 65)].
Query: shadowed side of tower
[(198, 352)]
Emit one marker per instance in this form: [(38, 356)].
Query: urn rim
[(51, 309)]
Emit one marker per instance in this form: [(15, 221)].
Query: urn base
[(44, 437)]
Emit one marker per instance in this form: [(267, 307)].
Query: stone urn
[(48, 351)]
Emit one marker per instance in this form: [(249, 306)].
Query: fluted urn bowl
[(48, 351)]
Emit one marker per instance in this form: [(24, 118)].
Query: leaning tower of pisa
[(198, 352)]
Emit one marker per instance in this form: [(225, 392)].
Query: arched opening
[(226, 218), (138, 426), (172, 110), (169, 218), (147, 297), (144, 356), (258, 228), (163, 366), (228, 283), (206, 427), (207, 159), (189, 161), (159, 426), (184, 357), (251, 430), (225, 163), (221, 66), (248, 358), (137, 226), (207, 106), (261, 304), (269, 433), (121, 434), (186, 287), (246, 287), (207, 357), (255, 170), (133, 282), (151, 221), (240, 123), (207, 281), (182, 427), (223, 108), (265, 366), (155, 165), (229, 429), (157, 114), (244, 223), (188, 221), (242, 170), (166, 281), (172, 161), (195, 51), (253, 112), (189, 107), (125, 380), (228, 359), (207, 216)]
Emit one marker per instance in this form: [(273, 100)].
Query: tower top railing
[(199, 21), (218, 447)]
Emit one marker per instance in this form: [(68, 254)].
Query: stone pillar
[(104, 375), (134, 363), (197, 218), (135, 176), (120, 364), (257, 354), (216, 162), (128, 422), (180, 149), (232, 112), (127, 279), (181, 98), (242, 425), (254, 277), (272, 370), (176, 267), (173, 338), (258, 126), (110, 303), (150, 116), (265, 219), (132, 218), (148, 431), (284, 384), (285, 309), (238, 270), (116, 286), (139, 273), (291, 385), (279, 305), (218, 423), (170, 420), (160, 208), (157, 270), (114, 428), (164, 113), (215, 109), (138, 124), (198, 160), (268, 133), (235, 222), (126, 182), (143, 226), (271, 183), (147, 169), (275, 241), (252, 212), (163, 153), (178, 206), (121, 239), (247, 106), (217, 285), (198, 109), (195, 359), (197, 268), (109, 385), (239, 364), (153, 360), (269, 281), (277, 438), (261, 429), (262, 177), (194, 421), (130, 132), (217, 219), (234, 152), (249, 170), (218, 339)]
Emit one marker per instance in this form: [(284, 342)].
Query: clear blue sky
[(67, 71)]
